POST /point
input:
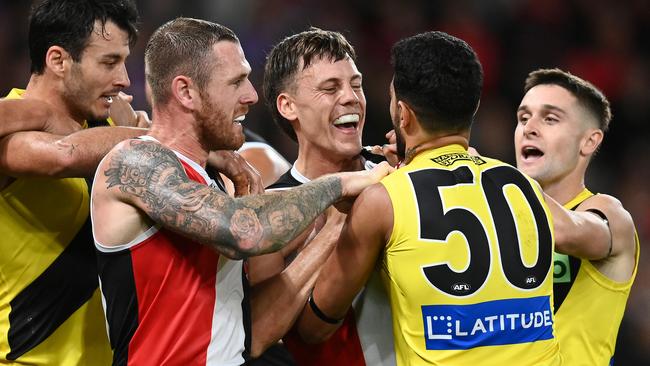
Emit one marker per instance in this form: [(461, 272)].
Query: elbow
[(64, 166)]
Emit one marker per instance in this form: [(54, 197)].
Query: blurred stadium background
[(606, 42)]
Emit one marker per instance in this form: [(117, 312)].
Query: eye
[(523, 118), (551, 118)]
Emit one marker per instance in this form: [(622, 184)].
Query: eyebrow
[(111, 56), (338, 80), (241, 76), (545, 107)]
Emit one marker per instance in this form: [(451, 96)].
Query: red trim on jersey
[(342, 348)]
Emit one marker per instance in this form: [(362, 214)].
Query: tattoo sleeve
[(152, 178)]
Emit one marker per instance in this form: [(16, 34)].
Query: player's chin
[(99, 114)]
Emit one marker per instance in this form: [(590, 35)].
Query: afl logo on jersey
[(461, 288)]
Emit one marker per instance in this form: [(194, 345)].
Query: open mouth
[(531, 153), (240, 119), (347, 122)]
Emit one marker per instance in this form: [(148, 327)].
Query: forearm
[(42, 154), (17, 115), (285, 214), (277, 302), (86, 148)]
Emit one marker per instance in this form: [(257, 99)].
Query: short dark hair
[(589, 96), (69, 24), (182, 46), (440, 77), (284, 59)]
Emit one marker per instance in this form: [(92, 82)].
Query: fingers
[(143, 120), (390, 136), (245, 179), (125, 97)]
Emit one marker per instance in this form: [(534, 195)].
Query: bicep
[(619, 222)]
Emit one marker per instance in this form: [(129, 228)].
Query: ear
[(592, 140), (286, 107), (56, 59), (184, 92), (406, 115)]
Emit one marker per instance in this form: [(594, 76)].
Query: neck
[(177, 131), (44, 88), (433, 141), (313, 164), (566, 188)]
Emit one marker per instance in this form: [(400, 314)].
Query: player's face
[(225, 101), (550, 128), (100, 74), (330, 107)]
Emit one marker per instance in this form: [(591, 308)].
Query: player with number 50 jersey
[(468, 263), (464, 243)]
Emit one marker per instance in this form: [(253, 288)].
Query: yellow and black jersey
[(589, 306), (468, 263), (50, 305)]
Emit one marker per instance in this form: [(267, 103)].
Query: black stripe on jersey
[(68, 283), (118, 289), (561, 290), (285, 181), (246, 314), (98, 123)]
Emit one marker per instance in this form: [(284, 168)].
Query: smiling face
[(329, 107), (100, 74), (225, 101), (551, 130)]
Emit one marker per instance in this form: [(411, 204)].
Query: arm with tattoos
[(148, 176)]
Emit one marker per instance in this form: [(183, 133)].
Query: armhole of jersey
[(607, 282), (394, 228), (138, 239)]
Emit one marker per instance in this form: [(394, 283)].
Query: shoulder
[(373, 211)]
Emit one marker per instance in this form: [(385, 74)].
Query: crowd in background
[(605, 42)]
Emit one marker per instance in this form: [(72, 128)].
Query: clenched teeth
[(347, 118)]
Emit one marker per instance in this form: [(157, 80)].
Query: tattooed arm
[(149, 176)]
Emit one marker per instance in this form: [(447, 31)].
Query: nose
[(350, 95), (122, 78), (250, 95), (531, 127)]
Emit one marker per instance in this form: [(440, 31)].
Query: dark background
[(606, 42)]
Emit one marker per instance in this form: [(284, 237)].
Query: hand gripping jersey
[(50, 306), (468, 263), (172, 301), (365, 337), (589, 306)]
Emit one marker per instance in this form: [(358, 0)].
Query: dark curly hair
[(440, 77)]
